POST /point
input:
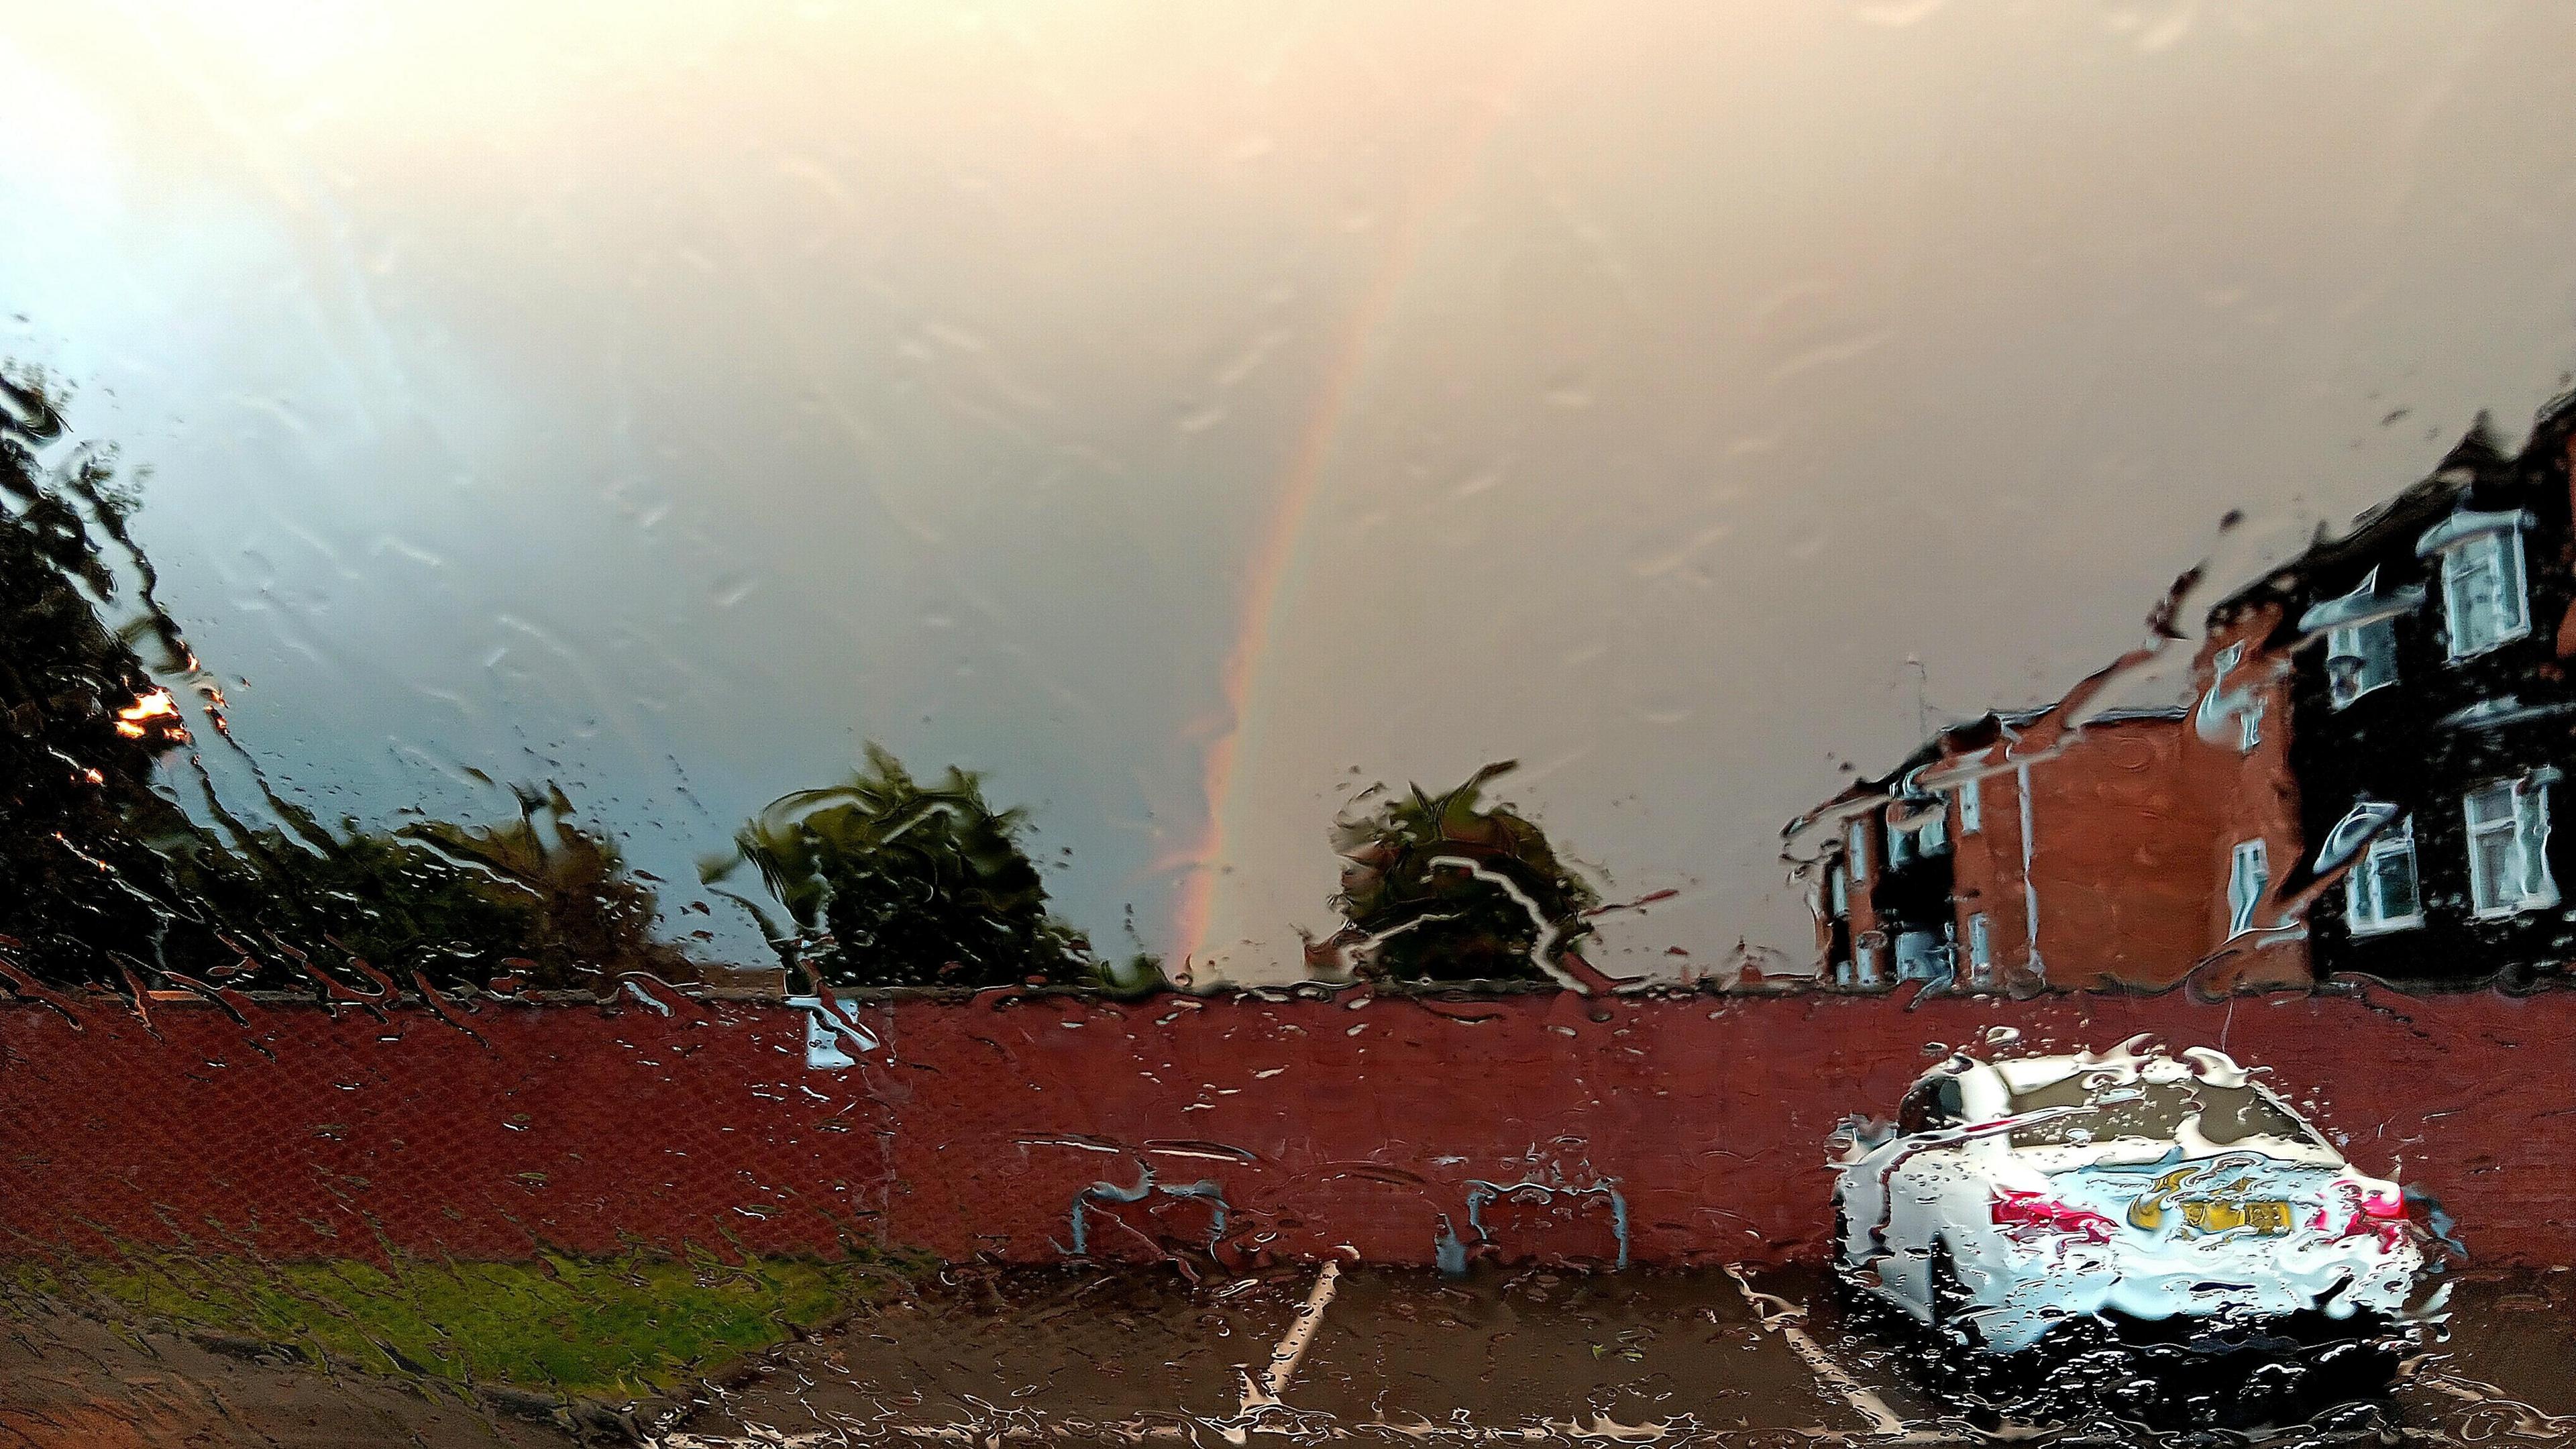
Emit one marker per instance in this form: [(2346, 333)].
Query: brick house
[(2362, 784), (2427, 654), (2017, 851)]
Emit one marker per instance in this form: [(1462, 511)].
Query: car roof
[(2134, 1060)]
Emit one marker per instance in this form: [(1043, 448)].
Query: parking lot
[(1294, 1355), (1527, 1356)]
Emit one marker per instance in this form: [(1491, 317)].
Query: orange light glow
[(155, 711)]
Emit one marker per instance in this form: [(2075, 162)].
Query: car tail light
[(2030, 1215), (2364, 1210)]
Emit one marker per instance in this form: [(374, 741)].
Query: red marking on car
[(2367, 1212), (2027, 1215)]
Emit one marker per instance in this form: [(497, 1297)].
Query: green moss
[(608, 1329)]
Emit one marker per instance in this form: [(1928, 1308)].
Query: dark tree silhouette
[(1447, 889), (591, 917), (891, 882), (105, 881), (537, 898), (81, 722)]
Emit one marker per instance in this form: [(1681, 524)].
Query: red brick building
[(2361, 785), (2074, 846)]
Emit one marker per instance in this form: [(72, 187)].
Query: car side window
[(1930, 1107)]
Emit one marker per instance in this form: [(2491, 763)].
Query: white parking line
[(1262, 1392), (2521, 1419), (1781, 1318), (1125, 1431), (1558, 1432), (1265, 1390)]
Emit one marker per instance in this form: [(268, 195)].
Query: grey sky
[(1191, 414)]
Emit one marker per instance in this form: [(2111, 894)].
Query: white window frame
[(2346, 643), (1971, 806), (2251, 861), (2364, 912), (2527, 816), (1857, 850), (1837, 890), (1900, 844), (2501, 546), (1981, 945), (2246, 705)]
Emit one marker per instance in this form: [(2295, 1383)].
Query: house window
[(2360, 659), (2482, 592), (2509, 847), (2380, 894), (2248, 877), (1922, 956), (1981, 946), (1859, 852), (1971, 809), (1927, 836), (1837, 891), (2243, 704)]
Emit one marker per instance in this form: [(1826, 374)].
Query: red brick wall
[(2120, 830), (314, 1134), (1324, 1125), (2251, 795), (2133, 826), (1985, 864)]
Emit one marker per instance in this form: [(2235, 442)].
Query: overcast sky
[(1190, 414)]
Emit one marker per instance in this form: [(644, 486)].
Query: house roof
[(2475, 458), (1966, 735)]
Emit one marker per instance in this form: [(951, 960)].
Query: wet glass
[(790, 724), (2151, 1113)]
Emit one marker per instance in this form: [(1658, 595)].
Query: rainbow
[(1275, 552)]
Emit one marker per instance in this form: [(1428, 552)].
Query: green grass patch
[(602, 1329)]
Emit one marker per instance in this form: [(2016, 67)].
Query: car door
[(1924, 1178)]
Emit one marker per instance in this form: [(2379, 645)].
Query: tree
[(105, 881), (890, 882), (83, 896), (589, 914), (301, 898), (1447, 889), (537, 898)]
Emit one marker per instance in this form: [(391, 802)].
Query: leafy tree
[(1446, 888), (589, 913), (891, 882), (334, 898), (103, 880), (82, 893), (537, 898)]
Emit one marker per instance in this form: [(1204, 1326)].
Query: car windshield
[(795, 722), (2083, 1111)]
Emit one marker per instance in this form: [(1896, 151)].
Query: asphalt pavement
[(1531, 1356), (1295, 1355)]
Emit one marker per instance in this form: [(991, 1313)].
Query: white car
[(2014, 1196)]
